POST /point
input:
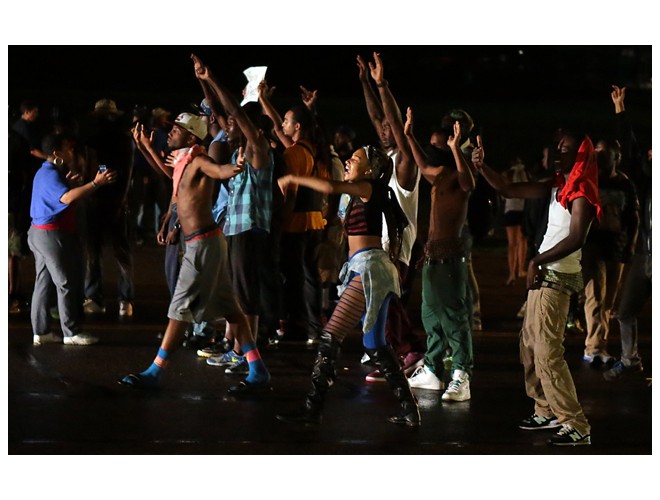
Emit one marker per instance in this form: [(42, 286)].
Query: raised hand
[(106, 177), (264, 90), (408, 126), (454, 140), (201, 71), (240, 161), (618, 96), (140, 137), (73, 178), (376, 69), (362, 69), (308, 97), (170, 161), (478, 154)]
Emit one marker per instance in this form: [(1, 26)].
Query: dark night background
[(517, 95)]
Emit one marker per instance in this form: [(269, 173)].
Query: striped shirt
[(250, 198)]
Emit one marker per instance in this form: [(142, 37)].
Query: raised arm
[(78, 193), (465, 177), (257, 146), (503, 185), (269, 110), (374, 108), (429, 172), (582, 214), (406, 169), (221, 172), (145, 147), (214, 104), (362, 189)]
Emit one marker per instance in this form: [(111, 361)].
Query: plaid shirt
[(250, 198)]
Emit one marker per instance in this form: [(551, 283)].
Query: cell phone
[(102, 168)]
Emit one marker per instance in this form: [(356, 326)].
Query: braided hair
[(382, 167)]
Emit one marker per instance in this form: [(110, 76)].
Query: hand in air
[(454, 140), (376, 69), (308, 97), (478, 154), (201, 71), (408, 126)]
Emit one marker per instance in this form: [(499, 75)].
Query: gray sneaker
[(241, 367), (47, 338), (81, 339), (619, 371)]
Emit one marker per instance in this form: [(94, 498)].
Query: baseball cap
[(193, 124)]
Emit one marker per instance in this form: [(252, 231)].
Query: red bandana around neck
[(583, 179)]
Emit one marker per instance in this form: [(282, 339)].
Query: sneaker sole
[(441, 387), (583, 442), (542, 428), (374, 380), (457, 399)]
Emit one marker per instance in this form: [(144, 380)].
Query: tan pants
[(547, 378), (601, 280)]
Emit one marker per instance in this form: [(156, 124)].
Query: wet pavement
[(66, 400)]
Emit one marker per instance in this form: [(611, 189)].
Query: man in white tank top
[(386, 118), (552, 276)]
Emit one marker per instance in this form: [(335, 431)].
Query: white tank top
[(409, 201), (559, 221)]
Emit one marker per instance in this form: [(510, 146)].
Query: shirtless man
[(203, 291), (445, 308)]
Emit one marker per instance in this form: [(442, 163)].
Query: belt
[(448, 260), (556, 286), (204, 233)]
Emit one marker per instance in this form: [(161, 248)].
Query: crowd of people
[(259, 211)]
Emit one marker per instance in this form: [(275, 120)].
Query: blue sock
[(375, 337), (152, 375), (258, 371)]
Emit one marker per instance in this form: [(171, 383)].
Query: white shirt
[(559, 221), (409, 201)]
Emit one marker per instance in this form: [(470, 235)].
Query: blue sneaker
[(241, 367), (227, 359)]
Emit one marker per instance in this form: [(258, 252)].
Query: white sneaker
[(365, 360), (459, 387), (125, 308), (423, 378), (48, 338), (92, 307), (80, 339)]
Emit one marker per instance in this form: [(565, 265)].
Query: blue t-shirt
[(47, 189)]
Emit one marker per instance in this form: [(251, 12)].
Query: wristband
[(95, 185)]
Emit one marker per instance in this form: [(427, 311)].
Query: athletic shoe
[(125, 308), (241, 367), (48, 338), (568, 436), (227, 359), (80, 339), (92, 307), (539, 423), (459, 387), (212, 351), (375, 376), (411, 362), (366, 360), (596, 358), (619, 370), (423, 378)]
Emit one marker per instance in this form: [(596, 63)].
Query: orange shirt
[(299, 161)]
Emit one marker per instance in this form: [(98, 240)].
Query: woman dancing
[(369, 279)]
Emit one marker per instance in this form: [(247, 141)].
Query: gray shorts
[(204, 291)]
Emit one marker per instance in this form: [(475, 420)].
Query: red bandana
[(583, 179)]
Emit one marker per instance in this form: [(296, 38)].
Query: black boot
[(323, 376), (389, 366)]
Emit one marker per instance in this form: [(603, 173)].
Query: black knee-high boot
[(389, 366), (323, 376)]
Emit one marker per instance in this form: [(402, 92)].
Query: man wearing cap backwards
[(553, 275), (249, 209), (203, 290)]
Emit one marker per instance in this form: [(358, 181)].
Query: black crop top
[(366, 219)]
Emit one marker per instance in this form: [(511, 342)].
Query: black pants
[(302, 284)]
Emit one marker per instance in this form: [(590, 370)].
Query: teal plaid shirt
[(250, 198)]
